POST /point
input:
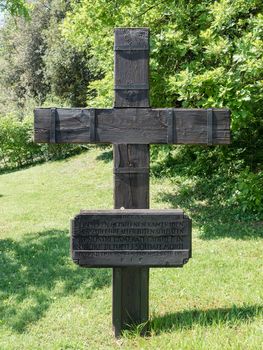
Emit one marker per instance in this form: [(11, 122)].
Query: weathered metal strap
[(92, 124), (130, 48), (53, 115), (210, 126), (132, 87), (170, 125), (131, 170)]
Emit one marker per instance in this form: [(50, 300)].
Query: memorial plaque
[(132, 237)]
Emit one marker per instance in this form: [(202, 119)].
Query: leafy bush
[(203, 54), (248, 192), (38, 63), (17, 148)]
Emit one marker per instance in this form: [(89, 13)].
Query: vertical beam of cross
[(131, 172)]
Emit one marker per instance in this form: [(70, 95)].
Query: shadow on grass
[(210, 212), (205, 318), (106, 156), (4, 171), (35, 271), (59, 158)]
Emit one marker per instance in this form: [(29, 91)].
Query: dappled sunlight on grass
[(30, 271), (213, 217), (48, 302)]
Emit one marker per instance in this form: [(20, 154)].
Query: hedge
[(17, 148)]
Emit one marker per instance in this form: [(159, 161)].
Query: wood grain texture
[(130, 298), (133, 126), (131, 188), (130, 293), (131, 68), (131, 237), (164, 258), (131, 38)]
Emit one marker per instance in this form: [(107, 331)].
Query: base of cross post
[(130, 299)]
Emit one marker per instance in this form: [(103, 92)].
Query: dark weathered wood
[(130, 284), (131, 176), (131, 39), (120, 259), (130, 293), (138, 238), (131, 73), (135, 294), (134, 126), (53, 121), (130, 297)]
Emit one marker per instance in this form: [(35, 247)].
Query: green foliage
[(221, 170), (203, 54), (17, 148), (248, 192), (23, 46), (15, 7), (38, 67), (68, 69), (38, 63)]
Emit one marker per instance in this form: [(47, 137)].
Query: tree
[(68, 69), (203, 54), (23, 46), (15, 7), (38, 63)]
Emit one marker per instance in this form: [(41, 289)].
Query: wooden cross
[(131, 126)]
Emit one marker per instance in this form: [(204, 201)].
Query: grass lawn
[(47, 302)]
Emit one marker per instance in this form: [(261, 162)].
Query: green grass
[(47, 302)]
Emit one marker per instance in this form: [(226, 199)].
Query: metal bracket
[(130, 48), (131, 170), (132, 87), (53, 116), (210, 126), (170, 125), (92, 124)]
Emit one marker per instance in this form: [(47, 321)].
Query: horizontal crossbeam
[(132, 126)]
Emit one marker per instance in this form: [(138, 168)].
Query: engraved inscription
[(131, 237), (129, 234)]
